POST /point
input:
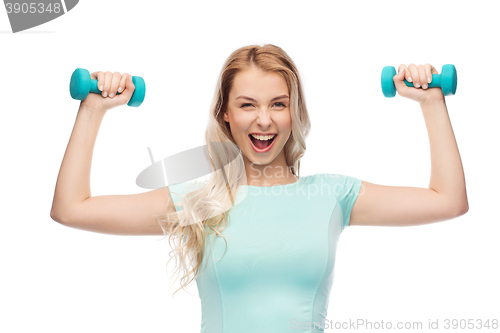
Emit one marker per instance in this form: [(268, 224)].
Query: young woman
[(259, 239)]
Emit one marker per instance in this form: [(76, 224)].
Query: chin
[(261, 160)]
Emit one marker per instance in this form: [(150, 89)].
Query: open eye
[(248, 104)]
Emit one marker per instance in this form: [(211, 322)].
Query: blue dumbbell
[(81, 85), (447, 81)]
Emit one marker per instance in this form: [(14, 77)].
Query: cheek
[(285, 123), (239, 125)]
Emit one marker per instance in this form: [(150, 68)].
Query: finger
[(402, 69), (399, 78), (433, 71), (107, 83), (422, 78), (406, 76), (122, 82), (99, 76), (402, 73), (414, 75), (114, 84), (428, 72), (129, 88)]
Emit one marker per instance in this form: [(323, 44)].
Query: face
[(259, 103)]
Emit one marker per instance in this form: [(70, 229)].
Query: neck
[(274, 173)]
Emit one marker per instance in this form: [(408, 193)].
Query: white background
[(59, 279)]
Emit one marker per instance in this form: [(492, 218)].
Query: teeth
[(263, 137)]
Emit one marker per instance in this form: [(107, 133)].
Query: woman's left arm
[(446, 197)]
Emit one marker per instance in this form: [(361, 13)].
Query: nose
[(264, 118)]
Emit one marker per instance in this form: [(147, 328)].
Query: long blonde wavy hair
[(205, 210)]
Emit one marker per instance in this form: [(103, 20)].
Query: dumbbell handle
[(94, 89), (435, 83)]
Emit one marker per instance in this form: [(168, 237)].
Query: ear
[(226, 117)]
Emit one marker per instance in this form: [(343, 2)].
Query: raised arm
[(446, 197), (73, 204)]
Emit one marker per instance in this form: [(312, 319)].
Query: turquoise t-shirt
[(277, 273)]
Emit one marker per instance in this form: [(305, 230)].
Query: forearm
[(73, 181), (447, 174)]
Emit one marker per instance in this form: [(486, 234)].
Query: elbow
[(63, 214), (461, 209), (465, 209), (54, 215)]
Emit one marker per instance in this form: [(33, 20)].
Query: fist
[(109, 84), (420, 76)]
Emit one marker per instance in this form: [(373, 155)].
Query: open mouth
[(262, 146)]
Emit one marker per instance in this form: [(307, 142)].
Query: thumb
[(129, 90), (399, 78)]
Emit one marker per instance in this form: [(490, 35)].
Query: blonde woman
[(258, 238)]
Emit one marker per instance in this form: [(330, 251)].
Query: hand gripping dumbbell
[(81, 84), (447, 81)]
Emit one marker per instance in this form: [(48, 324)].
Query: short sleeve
[(346, 190), (179, 190)]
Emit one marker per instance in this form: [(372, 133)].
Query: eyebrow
[(253, 100)]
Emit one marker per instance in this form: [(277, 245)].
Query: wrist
[(429, 104), (91, 109)]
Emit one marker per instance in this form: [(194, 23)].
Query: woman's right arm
[(73, 204)]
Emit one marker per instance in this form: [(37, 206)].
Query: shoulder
[(339, 182), (344, 188), (179, 190)]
